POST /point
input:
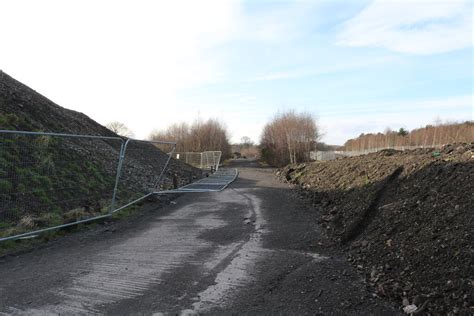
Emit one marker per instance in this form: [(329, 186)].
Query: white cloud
[(277, 23), (416, 27), (322, 70), (116, 60)]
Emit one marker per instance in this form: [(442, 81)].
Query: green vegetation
[(127, 212), (43, 183), (10, 121)]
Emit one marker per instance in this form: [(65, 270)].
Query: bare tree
[(246, 142), (289, 138), (431, 135), (246, 148), (197, 137), (120, 129)]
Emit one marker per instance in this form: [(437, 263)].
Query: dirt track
[(251, 248)]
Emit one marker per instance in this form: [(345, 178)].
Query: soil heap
[(406, 220)]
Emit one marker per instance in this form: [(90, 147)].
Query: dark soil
[(405, 219)]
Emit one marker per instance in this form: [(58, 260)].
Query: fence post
[(164, 167), (123, 148), (219, 155)]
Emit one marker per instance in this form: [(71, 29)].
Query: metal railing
[(52, 180), (206, 160)]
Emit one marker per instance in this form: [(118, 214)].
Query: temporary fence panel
[(215, 182), (206, 160), (53, 180), (143, 169), (49, 179)]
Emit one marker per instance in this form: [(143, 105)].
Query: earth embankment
[(405, 219), (49, 180)]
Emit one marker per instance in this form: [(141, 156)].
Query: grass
[(129, 211), (51, 219), (43, 183)]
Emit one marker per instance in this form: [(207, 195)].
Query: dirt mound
[(38, 173), (406, 219)]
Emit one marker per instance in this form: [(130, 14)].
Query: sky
[(357, 66)]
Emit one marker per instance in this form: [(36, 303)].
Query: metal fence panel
[(191, 158), (215, 182), (52, 180), (143, 171), (49, 179), (206, 160)]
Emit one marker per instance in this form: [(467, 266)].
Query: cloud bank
[(414, 27)]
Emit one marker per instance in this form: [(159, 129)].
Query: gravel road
[(253, 248)]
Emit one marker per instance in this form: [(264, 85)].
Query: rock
[(373, 273), (410, 309)]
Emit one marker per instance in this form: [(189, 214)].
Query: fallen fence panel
[(216, 182)]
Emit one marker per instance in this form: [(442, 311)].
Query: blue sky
[(358, 66)]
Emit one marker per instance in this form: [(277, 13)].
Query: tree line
[(289, 137), (199, 136), (430, 135)]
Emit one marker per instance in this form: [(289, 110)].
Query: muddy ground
[(405, 219), (253, 248)]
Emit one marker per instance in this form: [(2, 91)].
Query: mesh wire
[(51, 180)]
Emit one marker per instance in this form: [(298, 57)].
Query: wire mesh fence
[(143, 170), (215, 182), (207, 160), (50, 180)]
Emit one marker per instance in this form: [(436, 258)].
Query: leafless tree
[(431, 135), (289, 138), (246, 142), (246, 148), (197, 137), (120, 129)]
